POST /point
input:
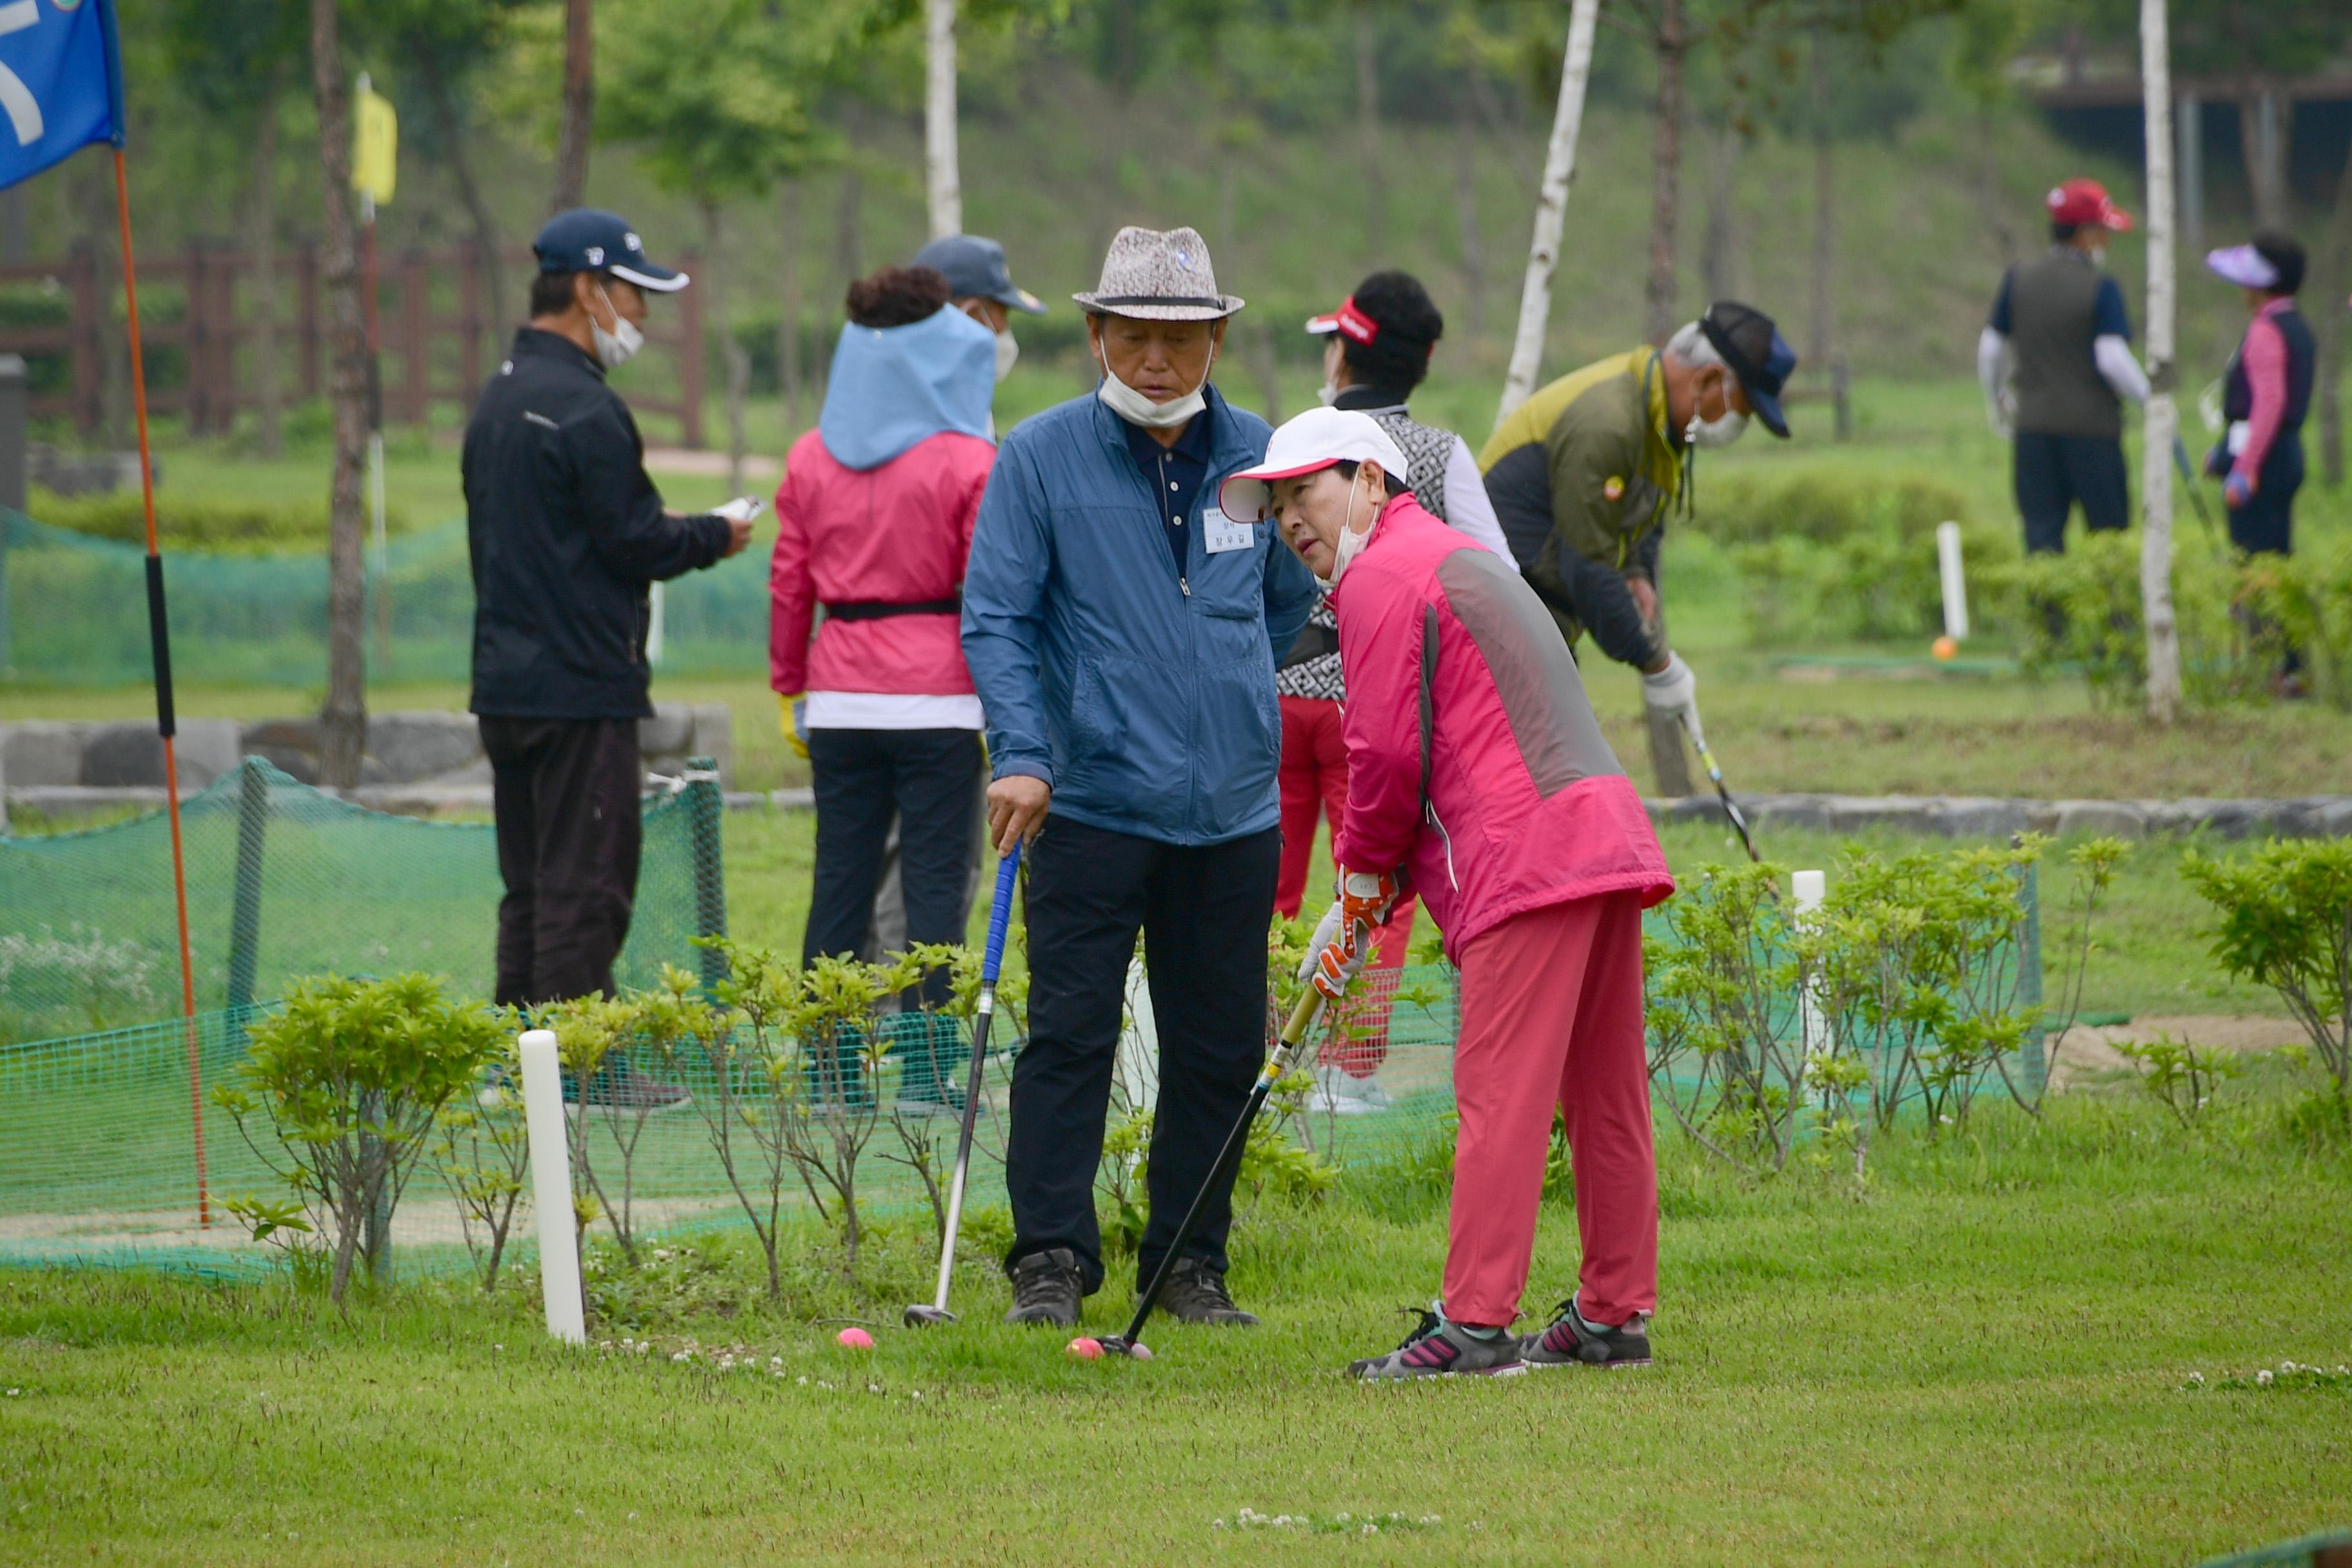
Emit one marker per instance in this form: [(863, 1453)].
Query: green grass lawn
[(1985, 1357)]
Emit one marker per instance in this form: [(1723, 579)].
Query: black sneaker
[(1046, 1287), (1196, 1293), (1439, 1349), (1570, 1342), (618, 1084)]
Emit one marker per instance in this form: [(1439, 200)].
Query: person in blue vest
[(1121, 631), (2265, 395)]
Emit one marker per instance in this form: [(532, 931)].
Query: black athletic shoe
[(1046, 1287), (1568, 1342), (618, 1084), (1439, 1349), (1196, 1293)]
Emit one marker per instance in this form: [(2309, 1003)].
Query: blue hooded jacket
[(1144, 696), (891, 387)]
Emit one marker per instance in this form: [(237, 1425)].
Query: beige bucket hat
[(1160, 275)]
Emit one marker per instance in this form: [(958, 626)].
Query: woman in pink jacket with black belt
[(1477, 776), (873, 523)]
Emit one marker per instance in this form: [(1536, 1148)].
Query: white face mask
[(1007, 350), (1721, 432), (1328, 393), (1137, 409), (1351, 544), (617, 347), (2098, 254)]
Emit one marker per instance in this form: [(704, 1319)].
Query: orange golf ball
[(1945, 647)]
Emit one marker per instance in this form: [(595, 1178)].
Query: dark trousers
[(565, 793), (1203, 914), (2265, 524), (862, 778), (2052, 473)]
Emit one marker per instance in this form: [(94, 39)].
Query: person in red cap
[(2056, 364), (1478, 775)]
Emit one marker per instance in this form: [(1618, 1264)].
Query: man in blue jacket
[(1122, 632)]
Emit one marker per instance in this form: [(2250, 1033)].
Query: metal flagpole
[(159, 637)]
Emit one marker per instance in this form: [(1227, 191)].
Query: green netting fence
[(73, 611)]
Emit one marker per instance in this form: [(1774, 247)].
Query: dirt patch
[(2089, 1052)]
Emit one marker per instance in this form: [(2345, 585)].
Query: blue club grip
[(1000, 917)]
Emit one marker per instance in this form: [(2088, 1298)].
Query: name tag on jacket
[(1220, 534)]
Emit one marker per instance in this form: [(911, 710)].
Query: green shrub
[(187, 523), (1826, 505), (2310, 599), (349, 1079), (2081, 611), (2285, 922)]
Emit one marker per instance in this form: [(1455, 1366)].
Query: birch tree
[(1551, 209), (2160, 425), (942, 175)]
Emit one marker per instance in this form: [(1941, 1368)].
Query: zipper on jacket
[(1447, 839)]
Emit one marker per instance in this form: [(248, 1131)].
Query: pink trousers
[(1552, 1014)]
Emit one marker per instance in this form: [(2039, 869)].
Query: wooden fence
[(199, 317)]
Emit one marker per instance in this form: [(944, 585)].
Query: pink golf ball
[(1140, 1351), (854, 1339), (1087, 1349)]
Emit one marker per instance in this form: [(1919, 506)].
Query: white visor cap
[(1314, 439)]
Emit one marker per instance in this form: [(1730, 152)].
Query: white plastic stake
[(654, 627), (550, 1175), (1955, 585), (1807, 888)]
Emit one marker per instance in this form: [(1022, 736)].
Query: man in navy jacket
[(1122, 633)]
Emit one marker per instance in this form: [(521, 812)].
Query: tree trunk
[(737, 363), (2335, 278), (450, 118), (849, 243), (788, 327), (2265, 127), (1988, 195), (342, 727), (1671, 42), (2156, 463), (579, 105), (1823, 324), (1465, 216), (1368, 130), (1719, 249), (269, 387), (1551, 209), (943, 176)]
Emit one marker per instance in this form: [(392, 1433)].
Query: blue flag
[(60, 82)]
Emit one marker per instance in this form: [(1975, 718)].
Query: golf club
[(2188, 480), (1730, 808), (1286, 1056), (992, 961)]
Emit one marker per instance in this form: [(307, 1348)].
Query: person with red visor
[(2056, 361), (1478, 776), (1376, 349)]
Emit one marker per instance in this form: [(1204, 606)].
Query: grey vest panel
[(1543, 697), (2052, 318)]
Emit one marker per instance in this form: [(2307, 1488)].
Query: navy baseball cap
[(589, 239), (974, 268), (1755, 351)]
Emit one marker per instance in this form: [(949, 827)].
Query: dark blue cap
[(974, 268), (1754, 351), (589, 239)]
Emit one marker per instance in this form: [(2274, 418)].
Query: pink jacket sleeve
[(1380, 722), (791, 594), (2263, 358)]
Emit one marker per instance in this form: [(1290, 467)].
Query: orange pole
[(164, 723)]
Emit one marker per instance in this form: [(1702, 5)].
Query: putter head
[(1120, 1345), (921, 1316)]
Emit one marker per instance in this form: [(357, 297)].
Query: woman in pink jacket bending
[(1477, 776), (873, 524)]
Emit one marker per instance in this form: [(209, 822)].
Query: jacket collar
[(1223, 444), (1371, 400), (537, 343)]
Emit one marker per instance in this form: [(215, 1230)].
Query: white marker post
[(1807, 888), (1956, 594), (550, 1174)]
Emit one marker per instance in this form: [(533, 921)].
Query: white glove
[(1327, 931), (1673, 691), (742, 508), (2002, 414)]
